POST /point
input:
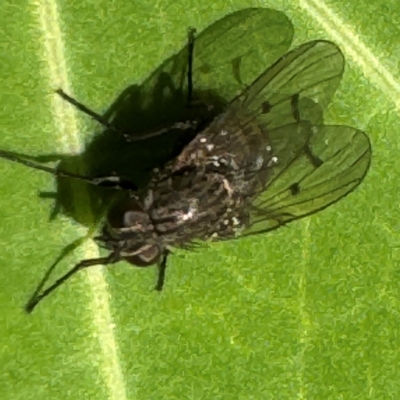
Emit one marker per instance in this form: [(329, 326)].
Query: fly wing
[(272, 131), (306, 78), (295, 88), (331, 165), (223, 61), (223, 64)]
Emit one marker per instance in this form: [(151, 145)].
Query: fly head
[(130, 234)]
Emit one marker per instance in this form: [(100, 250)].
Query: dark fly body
[(267, 160), (249, 171)]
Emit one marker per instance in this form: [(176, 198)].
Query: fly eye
[(132, 218), (148, 257), (126, 213)]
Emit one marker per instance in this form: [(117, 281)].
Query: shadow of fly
[(265, 161)]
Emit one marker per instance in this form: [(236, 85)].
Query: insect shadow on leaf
[(246, 160)]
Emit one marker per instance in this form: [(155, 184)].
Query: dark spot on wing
[(316, 161), (265, 107), (236, 64), (294, 189), (294, 102), (205, 69)]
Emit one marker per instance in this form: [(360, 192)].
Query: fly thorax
[(195, 205), (173, 219)]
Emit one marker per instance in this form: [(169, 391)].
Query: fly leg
[(117, 182), (191, 41), (37, 296), (161, 271), (88, 111)]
